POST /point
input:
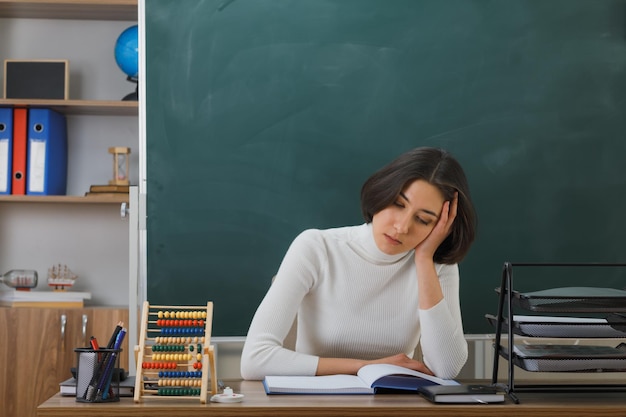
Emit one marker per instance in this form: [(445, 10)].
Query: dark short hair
[(439, 168)]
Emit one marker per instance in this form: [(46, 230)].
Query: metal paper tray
[(569, 327)]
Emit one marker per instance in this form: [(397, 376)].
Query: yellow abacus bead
[(199, 357), (160, 314), (166, 314)]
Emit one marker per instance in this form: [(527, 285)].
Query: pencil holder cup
[(95, 375)]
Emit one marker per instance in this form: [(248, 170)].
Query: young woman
[(371, 293)]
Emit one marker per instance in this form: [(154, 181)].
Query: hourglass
[(120, 165)]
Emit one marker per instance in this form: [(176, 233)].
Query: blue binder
[(6, 149), (46, 170)]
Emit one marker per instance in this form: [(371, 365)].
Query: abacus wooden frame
[(208, 354)]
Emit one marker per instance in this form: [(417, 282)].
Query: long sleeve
[(442, 339), (263, 353)]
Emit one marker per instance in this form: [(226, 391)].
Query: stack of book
[(63, 299), (126, 388), (107, 190)]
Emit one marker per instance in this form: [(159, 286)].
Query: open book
[(370, 379)]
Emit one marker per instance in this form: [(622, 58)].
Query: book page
[(316, 384), (370, 373)]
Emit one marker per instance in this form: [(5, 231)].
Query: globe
[(127, 56)]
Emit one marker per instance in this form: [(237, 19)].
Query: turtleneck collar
[(365, 245)]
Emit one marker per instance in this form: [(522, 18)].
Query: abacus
[(174, 356)]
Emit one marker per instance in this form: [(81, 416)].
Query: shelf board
[(70, 9), (65, 199), (84, 107)]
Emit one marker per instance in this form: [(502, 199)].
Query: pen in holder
[(96, 379)]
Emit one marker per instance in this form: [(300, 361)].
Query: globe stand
[(135, 95)]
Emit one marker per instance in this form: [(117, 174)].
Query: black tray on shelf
[(571, 300), (559, 327), (568, 358)]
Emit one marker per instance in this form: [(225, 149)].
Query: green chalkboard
[(264, 117)]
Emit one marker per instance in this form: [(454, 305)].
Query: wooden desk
[(256, 403)]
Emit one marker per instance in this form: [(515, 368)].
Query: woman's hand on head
[(426, 249), (403, 360)]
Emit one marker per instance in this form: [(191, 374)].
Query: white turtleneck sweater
[(351, 301)]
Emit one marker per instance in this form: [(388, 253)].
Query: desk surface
[(257, 403)]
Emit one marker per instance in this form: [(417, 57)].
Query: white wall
[(91, 239), (88, 44)]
